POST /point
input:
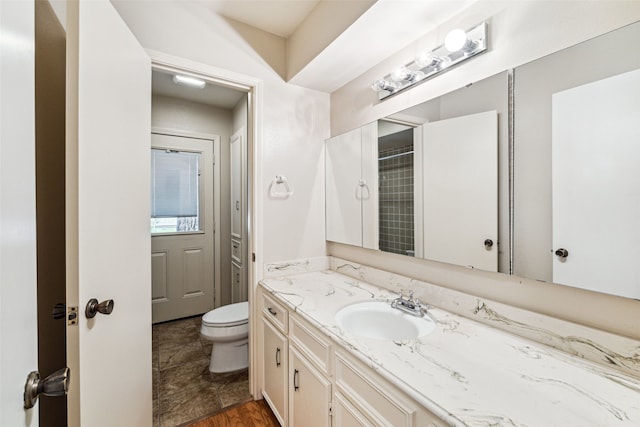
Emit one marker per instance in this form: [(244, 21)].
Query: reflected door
[(596, 185), (460, 190)]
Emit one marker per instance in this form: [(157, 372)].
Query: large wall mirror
[(577, 166), (430, 181)]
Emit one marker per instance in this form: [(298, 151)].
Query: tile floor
[(183, 387)]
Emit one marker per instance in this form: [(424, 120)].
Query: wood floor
[(255, 413)]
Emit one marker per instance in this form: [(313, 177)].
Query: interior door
[(182, 250), (18, 327), (108, 210), (596, 185), (460, 187)]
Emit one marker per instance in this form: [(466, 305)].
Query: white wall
[(295, 121), (519, 32)]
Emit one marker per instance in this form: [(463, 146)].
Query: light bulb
[(403, 73), (382, 84), (426, 59), (455, 40)]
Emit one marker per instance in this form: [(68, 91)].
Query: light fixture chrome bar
[(463, 45)]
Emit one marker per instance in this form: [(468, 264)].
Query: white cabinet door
[(352, 187), (596, 185), (275, 357), (460, 188), (309, 393), (18, 321), (108, 211), (343, 193)]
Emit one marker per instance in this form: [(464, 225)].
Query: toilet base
[(229, 356)]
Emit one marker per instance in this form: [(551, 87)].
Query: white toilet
[(228, 328)]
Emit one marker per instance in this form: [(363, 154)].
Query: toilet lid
[(227, 315)]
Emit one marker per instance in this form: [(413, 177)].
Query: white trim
[(184, 133), (255, 89)]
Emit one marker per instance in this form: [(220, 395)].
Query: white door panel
[(596, 185), (369, 193), (460, 203), (108, 165), (343, 196), (18, 318), (183, 263)]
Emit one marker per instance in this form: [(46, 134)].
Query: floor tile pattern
[(183, 387)]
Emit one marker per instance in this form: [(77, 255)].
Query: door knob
[(93, 307), (562, 253), (56, 384), (488, 243)]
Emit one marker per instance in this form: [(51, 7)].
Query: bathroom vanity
[(464, 373)]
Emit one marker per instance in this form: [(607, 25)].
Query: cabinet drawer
[(372, 397), (275, 312), (311, 343)]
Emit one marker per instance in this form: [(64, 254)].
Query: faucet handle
[(410, 295)]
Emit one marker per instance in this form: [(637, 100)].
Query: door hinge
[(253, 256), (330, 409), (72, 316), (214, 159)]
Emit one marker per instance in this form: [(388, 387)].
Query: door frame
[(255, 92), (216, 140)]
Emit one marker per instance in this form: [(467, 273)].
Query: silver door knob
[(562, 253), (488, 243), (56, 384), (94, 307)]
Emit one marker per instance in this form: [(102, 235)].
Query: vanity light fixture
[(189, 81), (459, 45)]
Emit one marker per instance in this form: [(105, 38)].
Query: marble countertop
[(467, 373)]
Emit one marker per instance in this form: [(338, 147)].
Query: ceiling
[(375, 34), (216, 96), (279, 17)]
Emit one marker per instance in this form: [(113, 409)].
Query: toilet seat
[(227, 316)]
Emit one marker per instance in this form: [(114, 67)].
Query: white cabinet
[(365, 398), (310, 381), (309, 393), (238, 201), (352, 187), (295, 381), (275, 358)]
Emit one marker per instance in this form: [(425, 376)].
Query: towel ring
[(280, 180)]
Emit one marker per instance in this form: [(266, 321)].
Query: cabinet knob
[(272, 311)]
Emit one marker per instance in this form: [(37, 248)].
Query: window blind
[(174, 183)]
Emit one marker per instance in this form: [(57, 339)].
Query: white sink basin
[(378, 320)]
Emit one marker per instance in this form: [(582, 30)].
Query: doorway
[(186, 121)]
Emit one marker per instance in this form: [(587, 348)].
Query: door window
[(175, 191)]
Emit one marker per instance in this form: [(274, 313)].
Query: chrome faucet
[(409, 305)]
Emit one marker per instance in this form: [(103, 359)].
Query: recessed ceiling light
[(189, 81)]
